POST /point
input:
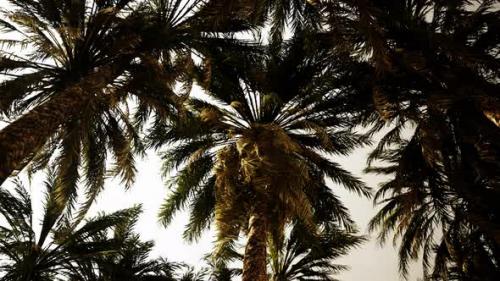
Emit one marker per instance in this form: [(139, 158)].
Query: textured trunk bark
[(23, 137), (254, 262), (27, 134)]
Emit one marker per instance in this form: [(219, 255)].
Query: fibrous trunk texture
[(25, 136), (254, 263)]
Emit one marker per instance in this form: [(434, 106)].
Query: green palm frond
[(62, 244), (202, 209), (305, 257), (187, 183)]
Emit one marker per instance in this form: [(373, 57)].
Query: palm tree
[(301, 256), (465, 253), (423, 208), (439, 79), (434, 56), (249, 156), (23, 257), (73, 57), (416, 202), (131, 261), (305, 257), (80, 64), (70, 91), (190, 274), (282, 16), (445, 64), (223, 273)]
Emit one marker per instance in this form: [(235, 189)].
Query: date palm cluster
[(250, 104)]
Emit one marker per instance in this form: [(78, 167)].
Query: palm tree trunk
[(22, 138), (25, 136), (254, 262)]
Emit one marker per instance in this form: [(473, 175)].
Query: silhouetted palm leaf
[(26, 258)]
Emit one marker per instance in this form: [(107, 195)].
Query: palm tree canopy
[(265, 134), (70, 88), (307, 257), (130, 261), (426, 210), (24, 257), (443, 71), (72, 56)]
